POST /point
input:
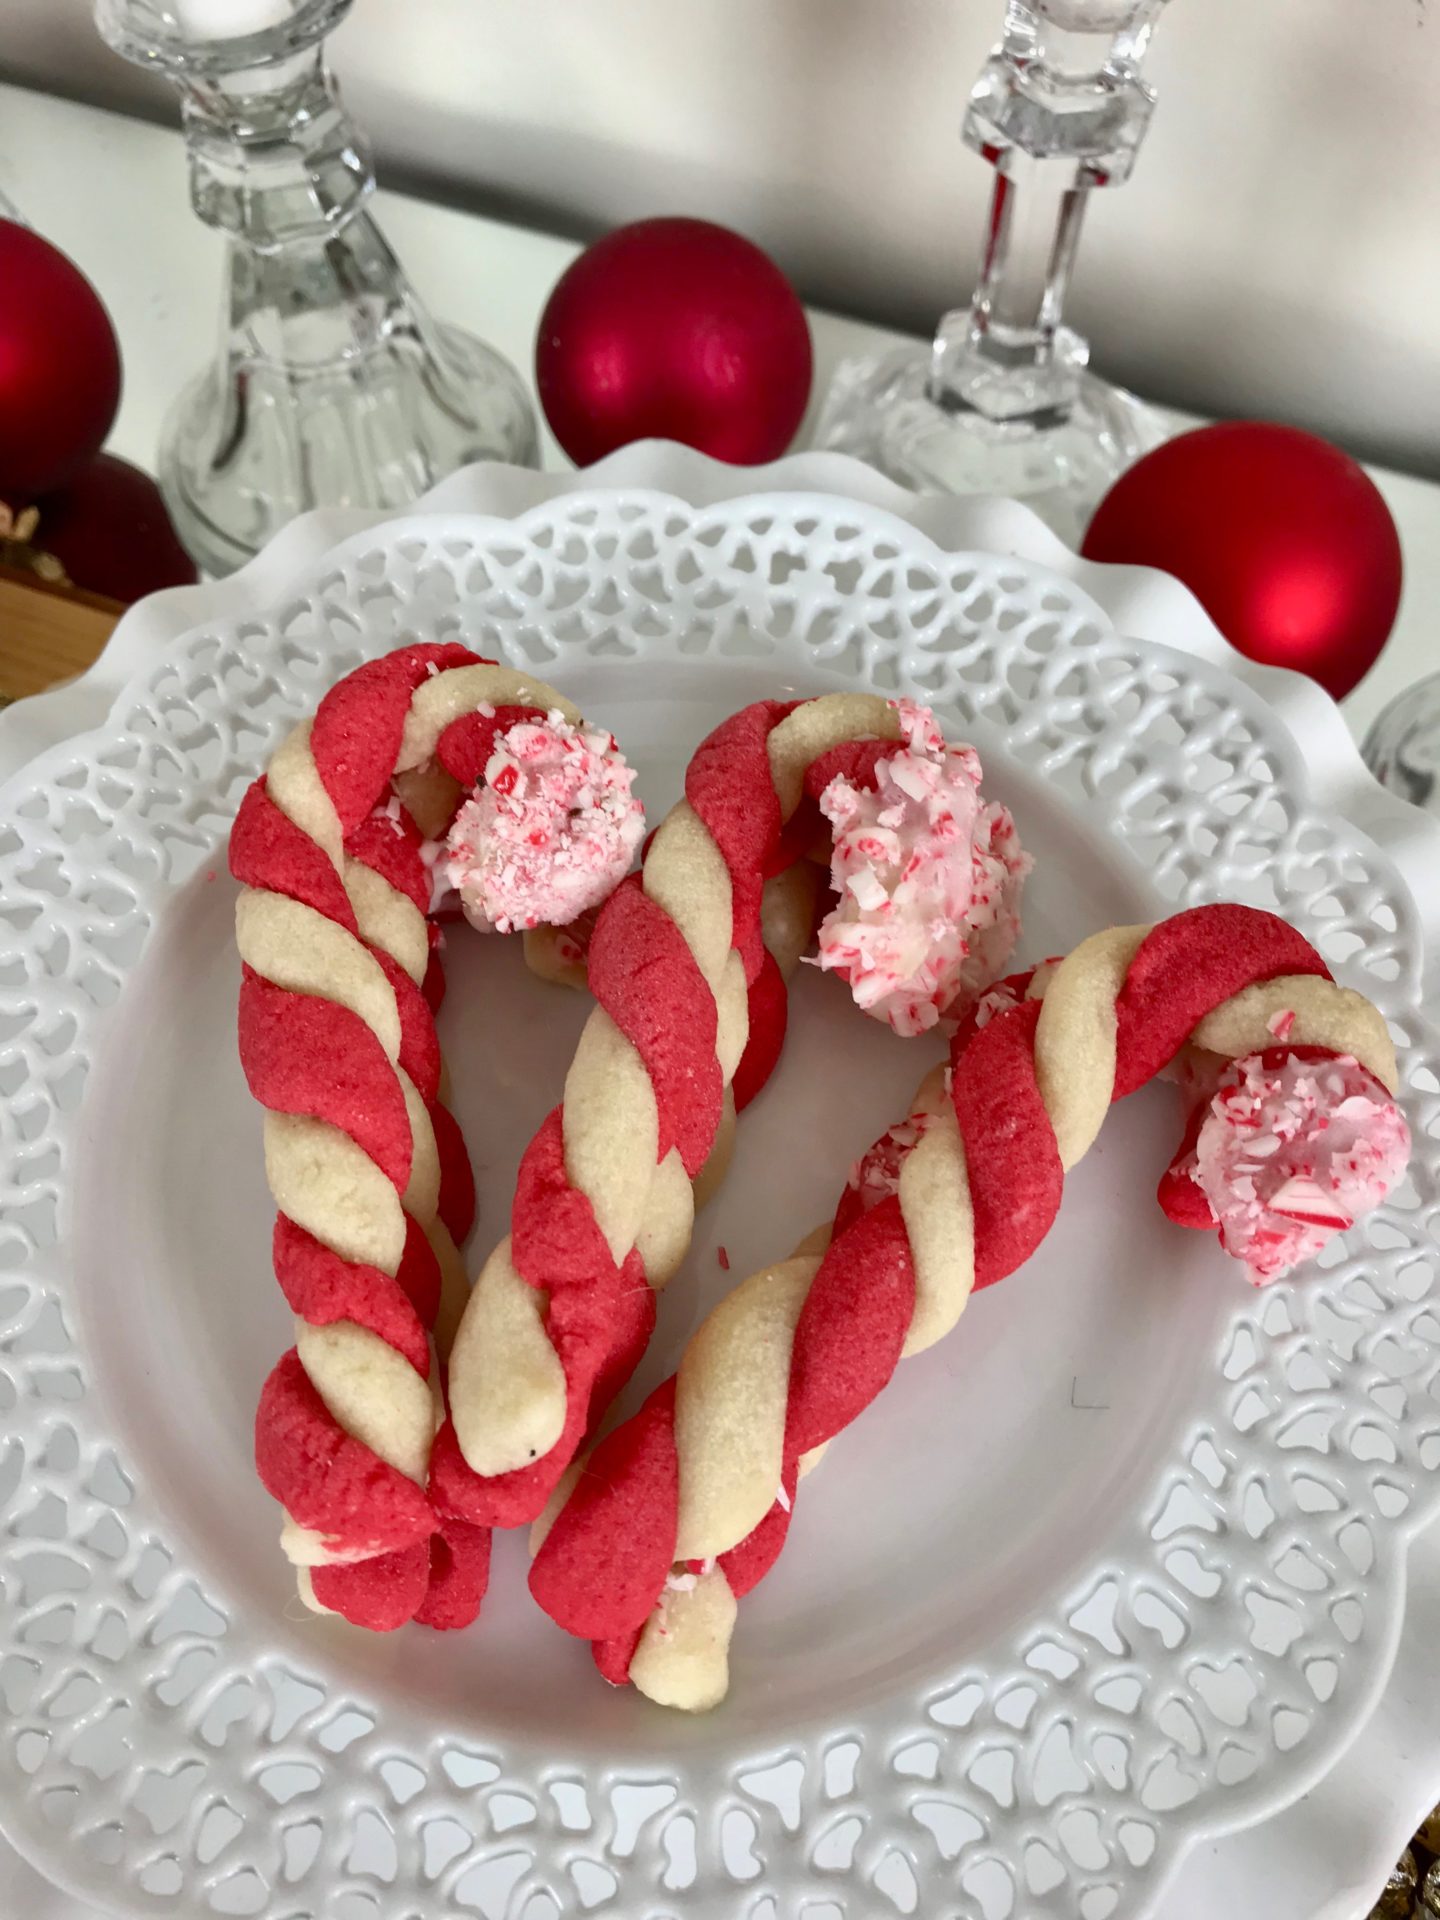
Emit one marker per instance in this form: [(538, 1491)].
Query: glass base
[(249, 444), (880, 410), (1402, 749)]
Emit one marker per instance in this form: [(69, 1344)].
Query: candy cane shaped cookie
[(690, 1012), (334, 847), (681, 1510)]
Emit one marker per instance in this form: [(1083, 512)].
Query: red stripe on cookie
[(612, 1657), (594, 1326), (852, 1205), (1181, 1197), (511, 1499), (851, 1328), (604, 1563), (646, 978), (747, 1564), (419, 1273), (555, 1239), (1183, 1202), (728, 784), (556, 1244), (1011, 1157), (459, 1575), (358, 727), (308, 1056), (856, 760), (457, 1181), (323, 1289), (391, 847), (433, 985), (419, 1046), (268, 850), (599, 1320), (805, 832), (630, 1331), (1185, 968), (769, 1004), (381, 1593), (598, 1355), (325, 1480), (465, 747)]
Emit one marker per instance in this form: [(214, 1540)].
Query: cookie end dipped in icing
[(550, 833), (929, 876), (1294, 1146)]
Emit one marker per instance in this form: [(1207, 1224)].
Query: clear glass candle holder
[(332, 386), (1402, 748), (1003, 402)]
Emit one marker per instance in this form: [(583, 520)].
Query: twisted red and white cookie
[(1295, 1132), (336, 847), (689, 1019)]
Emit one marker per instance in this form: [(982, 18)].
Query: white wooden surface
[(112, 193)]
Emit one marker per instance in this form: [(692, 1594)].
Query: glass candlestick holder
[(1004, 402), (1402, 748), (332, 385)]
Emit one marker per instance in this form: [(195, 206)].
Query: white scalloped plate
[(1119, 1566)]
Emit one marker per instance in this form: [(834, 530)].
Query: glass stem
[(1058, 109), (1008, 355), (274, 157), (1030, 244), (278, 166)]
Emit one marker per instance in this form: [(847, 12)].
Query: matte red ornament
[(59, 367), (674, 329), (111, 532), (1284, 540)]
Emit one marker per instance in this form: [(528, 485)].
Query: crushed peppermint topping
[(550, 832), (929, 876), (1281, 1023), (1003, 997), (782, 1498), (1293, 1150), (876, 1175)]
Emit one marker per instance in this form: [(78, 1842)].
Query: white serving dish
[(1144, 772)]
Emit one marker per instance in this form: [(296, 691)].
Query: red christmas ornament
[(59, 367), (1283, 539), (676, 330), (111, 533)]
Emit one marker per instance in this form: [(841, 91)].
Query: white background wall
[(1277, 253)]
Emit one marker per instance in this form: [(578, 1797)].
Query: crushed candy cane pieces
[(876, 1175), (550, 833), (929, 876), (1293, 1149)]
